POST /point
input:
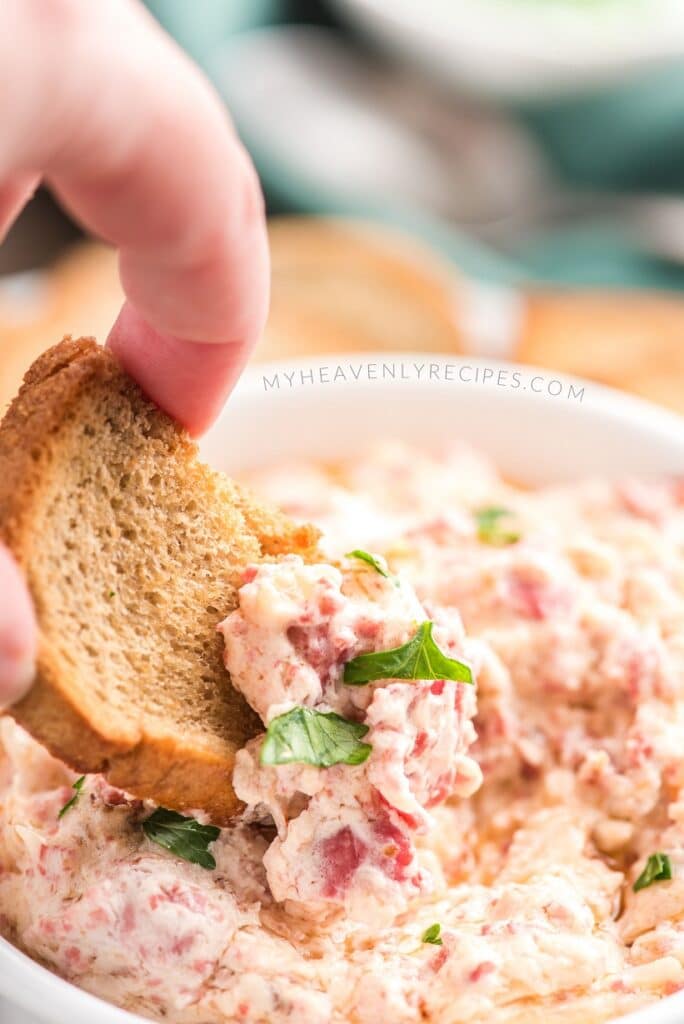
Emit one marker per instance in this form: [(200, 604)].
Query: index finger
[(138, 147)]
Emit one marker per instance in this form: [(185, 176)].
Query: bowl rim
[(27, 984), (528, 67), (600, 399)]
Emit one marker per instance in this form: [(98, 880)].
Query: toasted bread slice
[(132, 549)]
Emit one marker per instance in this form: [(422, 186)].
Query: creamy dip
[(477, 861)]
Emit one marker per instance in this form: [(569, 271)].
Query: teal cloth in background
[(594, 257), (625, 137), (628, 136), (201, 25)]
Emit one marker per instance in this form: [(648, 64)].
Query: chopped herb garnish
[(111, 593), (369, 559), (183, 836), (658, 869), (490, 527), (77, 787), (420, 658), (433, 935), (306, 736)]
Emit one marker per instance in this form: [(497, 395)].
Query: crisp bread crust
[(172, 764)]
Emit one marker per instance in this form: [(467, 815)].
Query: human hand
[(99, 103)]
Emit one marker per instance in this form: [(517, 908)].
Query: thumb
[(18, 633)]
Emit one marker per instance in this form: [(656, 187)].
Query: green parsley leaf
[(420, 658), (111, 594), (490, 529), (183, 836), (369, 559), (77, 787), (432, 935), (658, 869), (306, 736)]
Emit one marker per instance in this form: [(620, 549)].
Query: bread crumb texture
[(133, 551)]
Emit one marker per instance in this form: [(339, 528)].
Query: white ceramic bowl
[(533, 436), (522, 48)]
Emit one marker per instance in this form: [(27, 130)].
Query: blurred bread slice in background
[(629, 340), (343, 286), (80, 295), (348, 286)]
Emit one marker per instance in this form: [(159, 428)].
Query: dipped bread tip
[(133, 551)]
